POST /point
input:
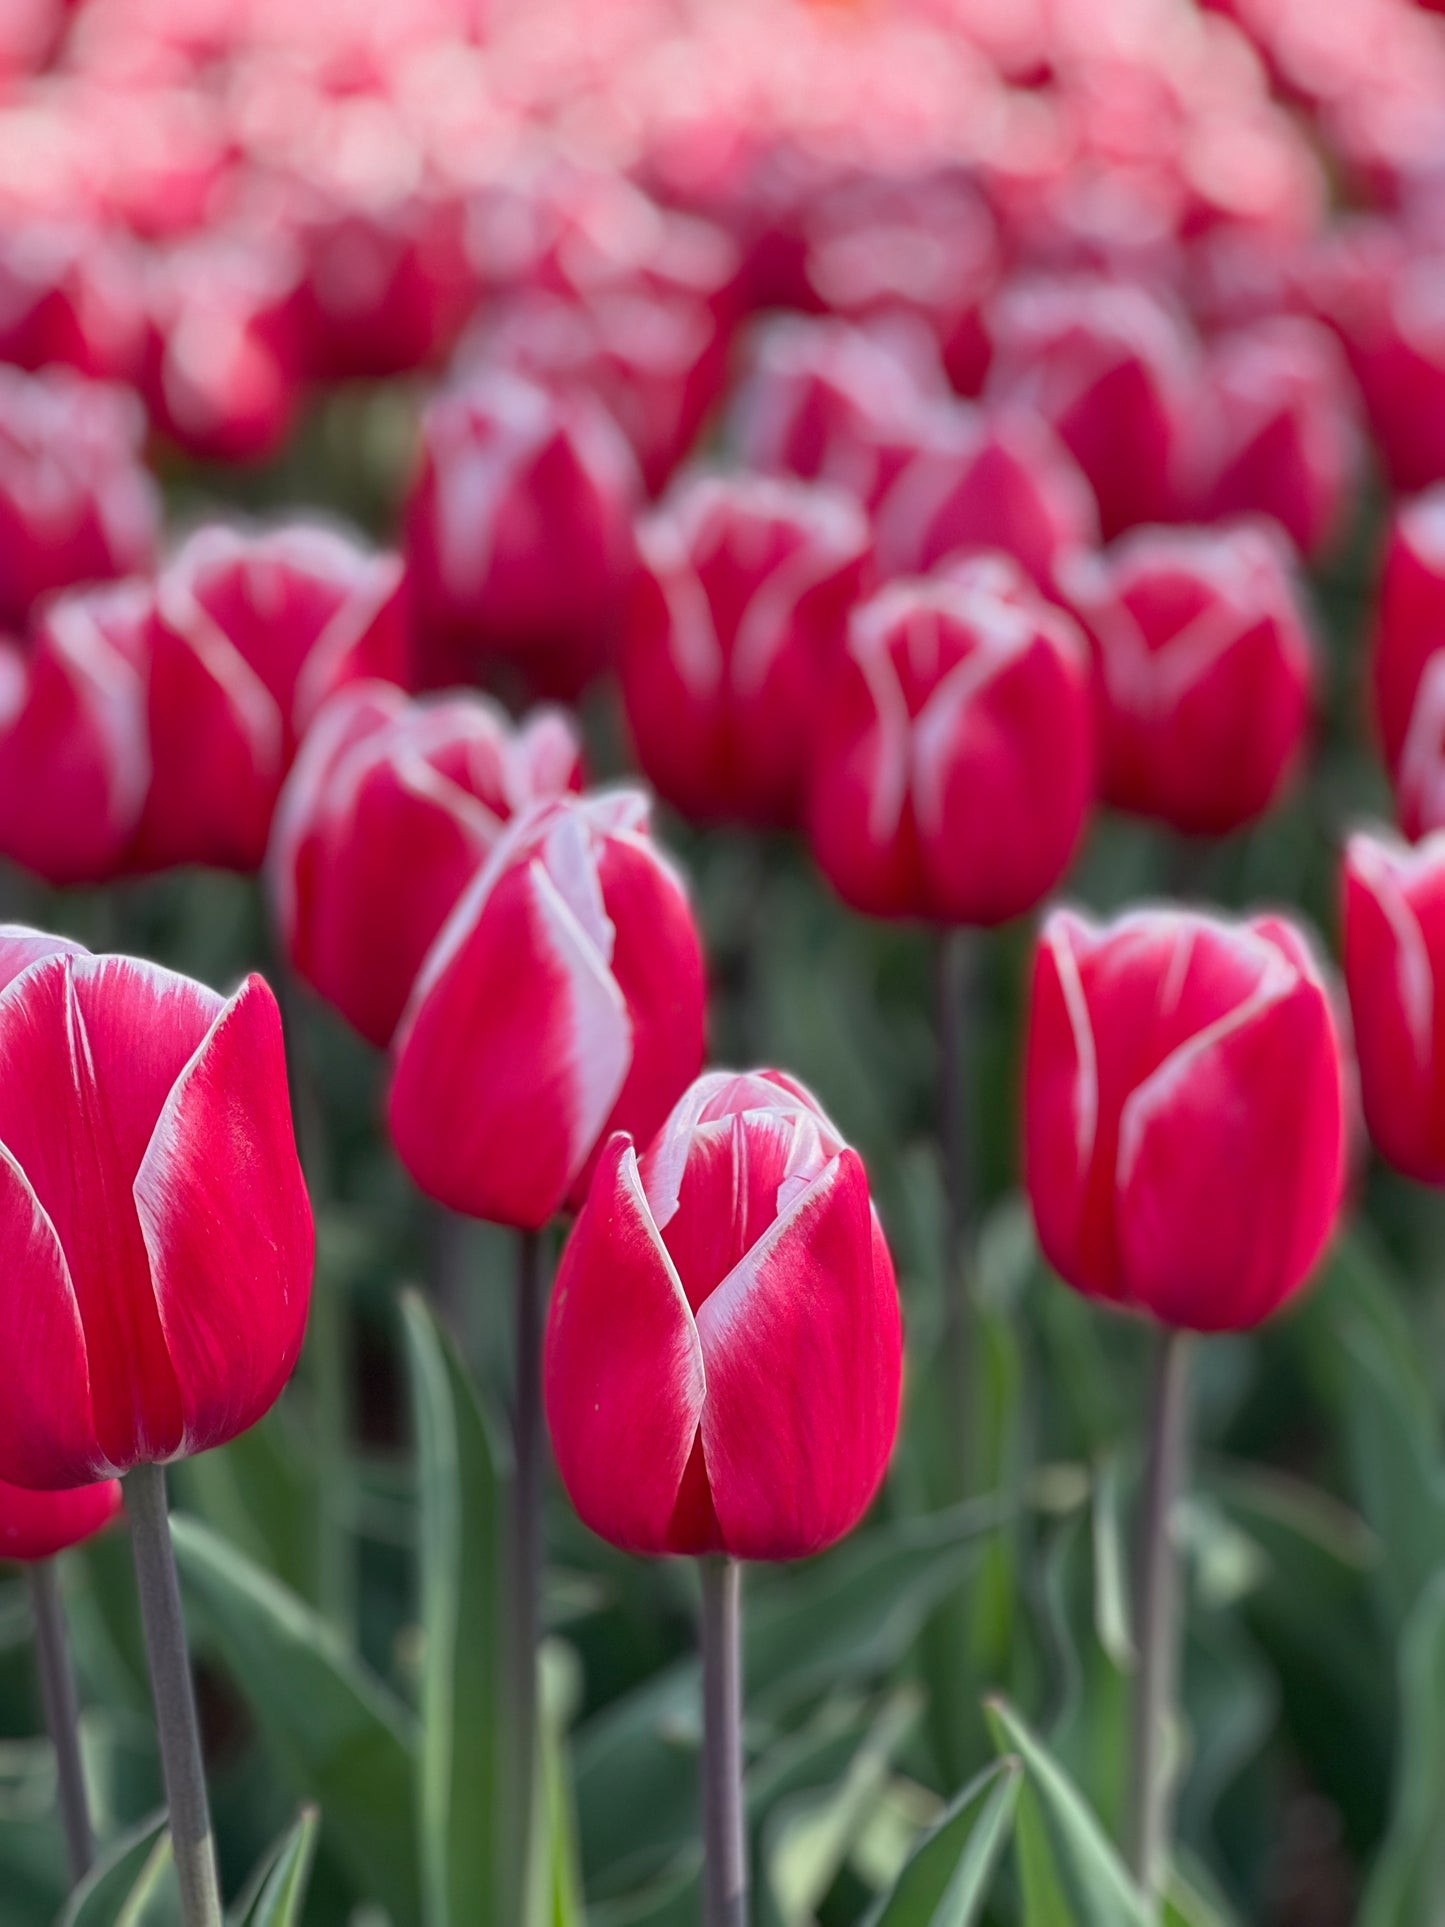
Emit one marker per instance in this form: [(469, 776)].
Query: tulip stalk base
[(175, 1703), (956, 1001), (527, 1513), (1158, 1622), (725, 1861), (62, 1712)]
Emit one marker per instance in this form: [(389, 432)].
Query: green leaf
[(335, 1731), (462, 1783), (1071, 1874), (553, 1886), (129, 1885), (946, 1879), (277, 1892), (1407, 1887)]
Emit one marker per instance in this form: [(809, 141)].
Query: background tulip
[(390, 810), (1408, 665), (562, 1000), (735, 629), (1184, 1136), (952, 769), (722, 1363), (38, 1525), (1203, 671)]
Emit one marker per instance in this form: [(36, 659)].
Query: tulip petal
[(38, 1525), (20, 947), (223, 1208), (623, 1372), (801, 1345)]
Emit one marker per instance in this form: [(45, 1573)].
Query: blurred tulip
[(75, 503), (1203, 671), (71, 294), (1110, 368), (39, 1525), (1184, 1113), (736, 628), (723, 1354), (952, 767), (390, 810), (562, 1000), (158, 1233), (1394, 951), (1408, 662), (1386, 297), (519, 541)]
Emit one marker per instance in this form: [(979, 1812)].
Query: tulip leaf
[(129, 1885), (276, 1894), (946, 1878), (462, 1783), (1070, 1873), (1407, 1886), (553, 1896), (334, 1729)]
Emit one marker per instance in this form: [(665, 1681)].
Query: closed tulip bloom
[(157, 1232), (953, 764), (75, 503), (1184, 1113), (722, 1363), (38, 1525), (389, 812), (736, 627), (1203, 671), (562, 1000), (1394, 955), (519, 539), (1408, 662)]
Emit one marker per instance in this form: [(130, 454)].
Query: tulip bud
[(1394, 948), (953, 766), (155, 1221), (562, 1000), (1408, 664), (1110, 369), (38, 1525), (75, 503), (519, 535), (722, 1364), (71, 295), (391, 809), (1184, 1113), (736, 625), (1203, 671)]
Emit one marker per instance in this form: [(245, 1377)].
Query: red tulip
[(38, 1525), (1203, 671), (952, 768), (391, 809), (156, 1225), (519, 535), (1184, 1113), (738, 621), (71, 295), (1110, 369), (1408, 666), (723, 1352), (75, 503), (562, 1000), (1394, 948)]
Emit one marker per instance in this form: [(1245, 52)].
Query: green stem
[(956, 1000), (62, 1712), (725, 1857), (527, 1516)]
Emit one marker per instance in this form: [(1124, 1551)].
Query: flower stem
[(175, 1702), (725, 1858), (62, 1712), (527, 1517), (955, 1009), (1158, 1625)]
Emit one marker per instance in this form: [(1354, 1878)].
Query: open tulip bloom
[(1185, 1156)]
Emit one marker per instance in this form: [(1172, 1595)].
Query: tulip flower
[(519, 539), (1408, 663), (36, 1526), (1184, 1152), (75, 503), (952, 768), (1203, 671), (722, 1367), (736, 628), (1394, 949), (71, 294), (390, 810)]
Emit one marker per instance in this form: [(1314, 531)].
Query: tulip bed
[(722, 880)]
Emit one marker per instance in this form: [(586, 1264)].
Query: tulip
[(71, 294), (1203, 671), (952, 768), (36, 1526), (1408, 663), (1394, 942), (1184, 1153), (391, 808), (736, 627), (75, 503), (519, 539)]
